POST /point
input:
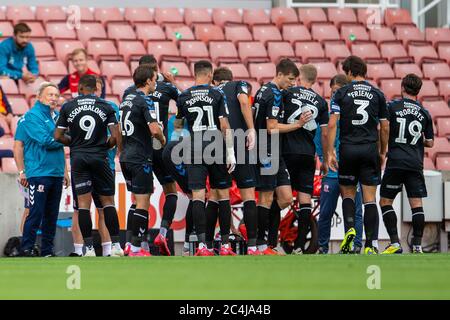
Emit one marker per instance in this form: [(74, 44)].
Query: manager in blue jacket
[(16, 53), (42, 169)]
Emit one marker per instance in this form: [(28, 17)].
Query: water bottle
[(310, 125), (193, 243), (238, 247)]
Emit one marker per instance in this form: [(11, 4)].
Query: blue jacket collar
[(43, 107)]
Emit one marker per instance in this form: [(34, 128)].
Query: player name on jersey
[(86, 105)]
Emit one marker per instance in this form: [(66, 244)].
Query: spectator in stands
[(41, 169), (79, 59), (17, 56)]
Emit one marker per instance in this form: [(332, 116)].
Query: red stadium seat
[(59, 30), (237, 33), (428, 90), (120, 31), (295, 32), (409, 34), (444, 88), (324, 31), (382, 34), (435, 71), (442, 163), (9, 86), (2, 14), (341, 15), (196, 15), (194, 50), (422, 53), (110, 69), (255, 16), (37, 30), (366, 50), (162, 48), (185, 83), (397, 16), (277, 50), (428, 164), (105, 15), (437, 109), (102, 49), (148, 31), (394, 52), (224, 16), (308, 50), (179, 32), (135, 15), (402, 69), (86, 13), (9, 165), (266, 33), (168, 15), (179, 69), (252, 52), (336, 51), (441, 145), (50, 13), (30, 90), (239, 70), (223, 51), (379, 71), (444, 51), (370, 17), (325, 70), (43, 50), (6, 143), (391, 88), (443, 127), (17, 13), (18, 104), (119, 85), (208, 32), (436, 35), (14, 122), (131, 49), (262, 71), (4, 125), (64, 48), (91, 30), (283, 15), (133, 65), (7, 29), (353, 32), (52, 68), (310, 15)]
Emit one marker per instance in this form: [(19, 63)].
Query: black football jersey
[(137, 111), (409, 124), (295, 101), (164, 92), (361, 106), (232, 90), (87, 118)]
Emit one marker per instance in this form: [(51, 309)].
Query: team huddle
[(268, 147)]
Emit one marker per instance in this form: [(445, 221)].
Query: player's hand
[(382, 160), (169, 77), (23, 180), (305, 118), (163, 140), (324, 168), (332, 162), (251, 139), (231, 162), (66, 182)]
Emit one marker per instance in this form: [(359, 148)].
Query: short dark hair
[(148, 59), (286, 67), (21, 28), (142, 74), (412, 84), (88, 82), (339, 79), (355, 65), (202, 66), (222, 74)]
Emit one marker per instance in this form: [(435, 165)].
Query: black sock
[(140, 226), (189, 222), (129, 233), (390, 222), (225, 220), (112, 222), (274, 224), (251, 221), (212, 213), (85, 223), (348, 211), (418, 222), (370, 222), (263, 224), (170, 206), (304, 224), (199, 218)]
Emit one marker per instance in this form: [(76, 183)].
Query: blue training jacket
[(319, 150), (112, 153), (13, 59), (43, 156)]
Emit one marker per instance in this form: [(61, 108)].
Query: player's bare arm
[(156, 131), (331, 155), (247, 113), (112, 141), (228, 136), (61, 136)]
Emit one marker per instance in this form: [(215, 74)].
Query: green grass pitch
[(243, 277)]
